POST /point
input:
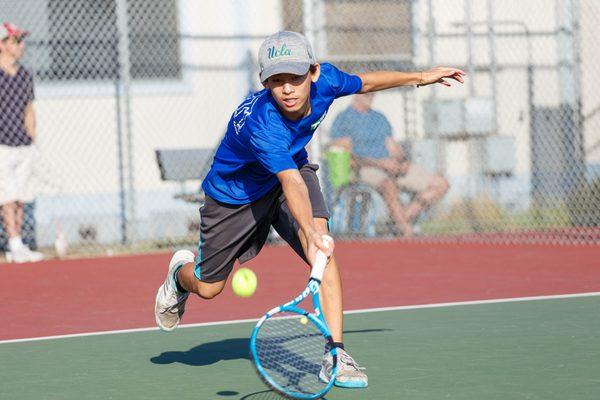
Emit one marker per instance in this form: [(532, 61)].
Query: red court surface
[(87, 295)]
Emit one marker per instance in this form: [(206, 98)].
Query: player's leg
[(285, 224), (331, 287), (227, 233), (190, 283), (331, 293), (349, 373)]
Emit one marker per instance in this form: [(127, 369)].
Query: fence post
[(125, 75)]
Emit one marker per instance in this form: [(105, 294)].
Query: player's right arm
[(296, 195), (271, 148)]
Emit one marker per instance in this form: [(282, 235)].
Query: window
[(377, 33), (83, 40), (154, 38)]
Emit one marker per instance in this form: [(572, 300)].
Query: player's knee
[(208, 294), (209, 290)]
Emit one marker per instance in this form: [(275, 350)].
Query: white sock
[(15, 243)]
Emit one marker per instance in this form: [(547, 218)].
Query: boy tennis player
[(261, 177)]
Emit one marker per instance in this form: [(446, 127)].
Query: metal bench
[(182, 165)]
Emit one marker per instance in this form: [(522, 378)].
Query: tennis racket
[(288, 344)]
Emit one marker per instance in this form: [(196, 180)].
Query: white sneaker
[(349, 373), (24, 255), (170, 304)]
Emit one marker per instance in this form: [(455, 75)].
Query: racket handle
[(320, 261)]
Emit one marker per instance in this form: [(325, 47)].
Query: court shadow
[(266, 395), (223, 350), (207, 353), (262, 395), (367, 331), (227, 393)]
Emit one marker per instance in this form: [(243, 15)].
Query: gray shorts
[(238, 232)]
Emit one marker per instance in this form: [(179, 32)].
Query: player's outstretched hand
[(440, 74)]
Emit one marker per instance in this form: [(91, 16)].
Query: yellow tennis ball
[(244, 282), (304, 320)]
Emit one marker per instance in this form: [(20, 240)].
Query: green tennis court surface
[(543, 349)]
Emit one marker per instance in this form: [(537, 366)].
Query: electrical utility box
[(456, 119), (499, 156)]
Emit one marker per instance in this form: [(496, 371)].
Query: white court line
[(362, 311)]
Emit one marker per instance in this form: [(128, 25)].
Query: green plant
[(478, 215)]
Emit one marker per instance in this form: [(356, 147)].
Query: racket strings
[(292, 353)]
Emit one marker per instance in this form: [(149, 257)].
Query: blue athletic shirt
[(260, 141)]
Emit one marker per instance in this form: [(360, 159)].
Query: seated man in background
[(383, 164)]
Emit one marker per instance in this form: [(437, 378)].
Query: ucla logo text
[(272, 52)]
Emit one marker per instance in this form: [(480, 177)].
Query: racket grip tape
[(320, 261)]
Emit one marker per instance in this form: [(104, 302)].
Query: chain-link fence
[(132, 96), (511, 156)]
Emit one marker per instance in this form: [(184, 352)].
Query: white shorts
[(16, 166), (416, 179)]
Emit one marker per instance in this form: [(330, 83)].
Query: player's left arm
[(381, 80), (29, 120)]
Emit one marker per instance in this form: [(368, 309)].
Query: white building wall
[(77, 122)]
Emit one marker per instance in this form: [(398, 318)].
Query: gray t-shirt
[(15, 94)]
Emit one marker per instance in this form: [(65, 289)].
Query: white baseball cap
[(285, 52)]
